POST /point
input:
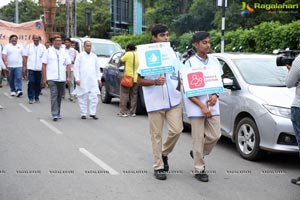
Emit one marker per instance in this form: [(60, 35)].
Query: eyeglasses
[(58, 40)]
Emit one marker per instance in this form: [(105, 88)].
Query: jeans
[(34, 84), (15, 79), (56, 93), (295, 117)]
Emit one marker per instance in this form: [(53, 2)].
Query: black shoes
[(296, 181), (94, 117), (202, 176), (83, 117), (160, 174), (166, 164), (192, 154), (55, 119)]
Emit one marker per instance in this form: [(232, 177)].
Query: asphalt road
[(111, 158)]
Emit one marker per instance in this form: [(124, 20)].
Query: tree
[(235, 20), (28, 11), (100, 23)]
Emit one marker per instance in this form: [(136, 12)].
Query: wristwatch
[(155, 82)]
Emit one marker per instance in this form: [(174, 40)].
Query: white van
[(103, 48)]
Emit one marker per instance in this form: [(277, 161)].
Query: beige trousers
[(125, 93), (173, 118), (205, 135)]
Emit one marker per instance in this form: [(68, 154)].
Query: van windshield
[(262, 71), (104, 49)]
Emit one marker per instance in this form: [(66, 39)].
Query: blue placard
[(156, 70), (204, 91)]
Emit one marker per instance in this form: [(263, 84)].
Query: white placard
[(155, 58)]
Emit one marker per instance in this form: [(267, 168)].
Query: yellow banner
[(24, 31)]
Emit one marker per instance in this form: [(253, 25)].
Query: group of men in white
[(53, 67)]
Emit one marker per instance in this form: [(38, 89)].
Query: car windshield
[(262, 71), (104, 49)]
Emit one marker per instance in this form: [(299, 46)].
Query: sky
[(4, 2)]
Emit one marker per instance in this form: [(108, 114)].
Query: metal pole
[(115, 15), (223, 27), (68, 18), (17, 12), (75, 19)]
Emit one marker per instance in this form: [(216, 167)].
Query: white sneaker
[(19, 93), (133, 115), (122, 115), (1, 107), (13, 94)]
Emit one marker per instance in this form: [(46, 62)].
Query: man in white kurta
[(88, 80)]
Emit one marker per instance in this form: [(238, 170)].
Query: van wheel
[(247, 139), (105, 96)]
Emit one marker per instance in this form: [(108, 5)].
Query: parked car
[(103, 48), (111, 78), (255, 107)]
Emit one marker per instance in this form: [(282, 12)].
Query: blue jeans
[(15, 79), (295, 117), (34, 84)]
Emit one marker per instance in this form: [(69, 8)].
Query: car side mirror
[(121, 68), (228, 83), (231, 84)]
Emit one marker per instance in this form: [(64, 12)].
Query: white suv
[(103, 48)]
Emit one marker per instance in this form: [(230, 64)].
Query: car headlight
[(279, 111)]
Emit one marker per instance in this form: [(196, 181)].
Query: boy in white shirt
[(163, 103), (203, 110)]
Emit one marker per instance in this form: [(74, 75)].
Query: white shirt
[(87, 71), (192, 110), (56, 62), (13, 54), (166, 96), (34, 56), (1, 61), (72, 53)]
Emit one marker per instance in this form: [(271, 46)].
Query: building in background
[(127, 17)]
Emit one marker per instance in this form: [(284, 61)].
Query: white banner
[(155, 58), (201, 81)]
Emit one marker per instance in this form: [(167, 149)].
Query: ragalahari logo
[(246, 9)]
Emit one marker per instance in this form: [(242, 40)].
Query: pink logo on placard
[(196, 80)]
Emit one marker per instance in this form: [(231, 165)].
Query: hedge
[(263, 38)]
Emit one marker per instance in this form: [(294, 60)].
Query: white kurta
[(87, 71)]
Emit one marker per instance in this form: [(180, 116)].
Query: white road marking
[(6, 94), (99, 162), (54, 129), (25, 107)]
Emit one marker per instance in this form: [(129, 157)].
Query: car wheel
[(247, 139), (105, 96)]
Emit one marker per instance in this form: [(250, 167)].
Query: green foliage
[(28, 11), (255, 32), (100, 23), (263, 38), (123, 40)]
